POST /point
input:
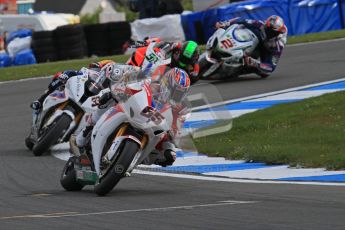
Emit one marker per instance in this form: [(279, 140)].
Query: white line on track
[(76, 214), (317, 42), (23, 80), (267, 94), (221, 179)]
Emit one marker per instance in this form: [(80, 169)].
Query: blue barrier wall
[(257, 9), (342, 12), (300, 16), (205, 19), (311, 16)]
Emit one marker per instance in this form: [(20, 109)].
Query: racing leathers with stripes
[(269, 49)]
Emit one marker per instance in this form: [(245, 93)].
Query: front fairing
[(232, 42), (154, 58), (137, 111)]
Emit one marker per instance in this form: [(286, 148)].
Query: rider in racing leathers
[(60, 79), (184, 55), (272, 35), (111, 72), (172, 89)]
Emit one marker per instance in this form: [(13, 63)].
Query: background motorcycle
[(225, 50), (147, 55), (62, 114), (123, 137)]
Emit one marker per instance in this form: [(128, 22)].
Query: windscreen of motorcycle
[(242, 35)]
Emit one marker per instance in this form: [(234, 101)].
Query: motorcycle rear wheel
[(68, 179), (117, 169), (52, 135)]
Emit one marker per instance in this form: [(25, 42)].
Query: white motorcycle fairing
[(129, 112), (153, 58), (74, 91), (230, 45)]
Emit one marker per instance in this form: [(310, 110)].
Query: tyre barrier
[(97, 37), (77, 41), (113, 36), (71, 42), (119, 33), (44, 46)]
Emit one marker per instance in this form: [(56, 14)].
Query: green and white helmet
[(188, 55)]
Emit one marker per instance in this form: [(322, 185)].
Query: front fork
[(122, 135)]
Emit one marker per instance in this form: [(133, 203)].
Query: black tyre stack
[(71, 42), (97, 37), (108, 38), (119, 33), (77, 41), (44, 46)]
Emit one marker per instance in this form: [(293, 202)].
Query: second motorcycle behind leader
[(63, 112), (241, 47)]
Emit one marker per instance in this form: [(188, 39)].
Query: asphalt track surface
[(32, 198)]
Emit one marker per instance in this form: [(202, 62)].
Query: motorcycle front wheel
[(52, 134), (117, 169)]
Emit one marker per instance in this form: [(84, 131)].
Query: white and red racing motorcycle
[(147, 56), (123, 137), (63, 113), (225, 49)]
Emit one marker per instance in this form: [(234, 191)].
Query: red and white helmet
[(174, 86), (274, 26)]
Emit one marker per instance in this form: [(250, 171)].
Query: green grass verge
[(45, 69), (20, 72), (309, 133), (317, 37)]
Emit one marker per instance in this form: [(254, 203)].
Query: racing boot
[(36, 107), (168, 160), (74, 149)]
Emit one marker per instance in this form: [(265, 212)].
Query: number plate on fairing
[(153, 115), (86, 177)]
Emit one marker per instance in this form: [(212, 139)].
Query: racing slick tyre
[(44, 42), (38, 35), (68, 30), (47, 57), (119, 34), (117, 169), (68, 179), (52, 134)]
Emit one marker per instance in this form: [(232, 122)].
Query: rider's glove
[(169, 158), (103, 100), (225, 23), (36, 105), (137, 44), (63, 77), (220, 25)]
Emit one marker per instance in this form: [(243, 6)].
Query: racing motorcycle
[(225, 51), (63, 113), (123, 137), (147, 55)]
